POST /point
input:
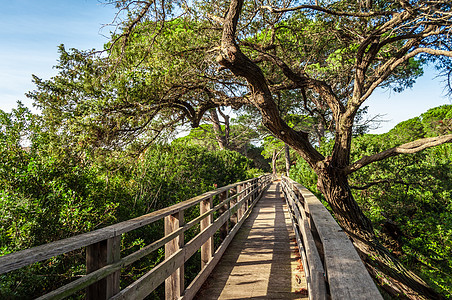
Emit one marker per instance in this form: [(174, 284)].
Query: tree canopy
[(170, 62)]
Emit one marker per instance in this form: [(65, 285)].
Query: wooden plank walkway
[(262, 262)]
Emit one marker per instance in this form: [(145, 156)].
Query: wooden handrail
[(333, 268), (103, 246)]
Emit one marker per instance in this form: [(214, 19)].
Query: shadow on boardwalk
[(262, 260)]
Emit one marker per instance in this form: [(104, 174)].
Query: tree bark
[(334, 186), (274, 157), (287, 158), (219, 136), (320, 132)]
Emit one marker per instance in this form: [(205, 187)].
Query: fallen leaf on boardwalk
[(300, 265), (302, 291), (298, 279)]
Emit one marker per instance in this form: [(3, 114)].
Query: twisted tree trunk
[(332, 171)]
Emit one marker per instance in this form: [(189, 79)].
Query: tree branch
[(408, 148), (301, 81), (370, 184), (391, 65), (232, 58), (329, 11)]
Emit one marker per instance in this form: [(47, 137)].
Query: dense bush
[(50, 192)]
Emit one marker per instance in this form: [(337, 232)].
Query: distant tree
[(272, 150), (235, 134)]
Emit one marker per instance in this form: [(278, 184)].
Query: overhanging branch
[(370, 184), (408, 148), (328, 11)]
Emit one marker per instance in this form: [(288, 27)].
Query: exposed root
[(390, 274)]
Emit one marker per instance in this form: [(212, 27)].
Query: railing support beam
[(224, 230), (207, 248), (234, 199), (240, 196), (174, 284), (99, 255)]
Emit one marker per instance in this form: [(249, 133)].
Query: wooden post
[(224, 229), (207, 248), (233, 201), (249, 188), (245, 205), (240, 197), (99, 255), (254, 189), (174, 284), (113, 255)]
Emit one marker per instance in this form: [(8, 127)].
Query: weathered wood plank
[(316, 271), (196, 284), (224, 230), (312, 263), (207, 247), (346, 274), (232, 204), (240, 193), (26, 257), (97, 256), (113, 255), (174, 284)]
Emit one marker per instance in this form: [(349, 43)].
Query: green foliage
[(99, 103), (43, 197), (201, 136), (411, 205), (50, 191), (167, 174), (301, 172), (408, 197), (271, 144)]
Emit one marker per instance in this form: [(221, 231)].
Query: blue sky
[(427, 92), (31, 30)]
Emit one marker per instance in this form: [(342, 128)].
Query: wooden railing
[(233, 203), (332, 266)]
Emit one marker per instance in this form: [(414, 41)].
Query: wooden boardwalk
[(262, 262)]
